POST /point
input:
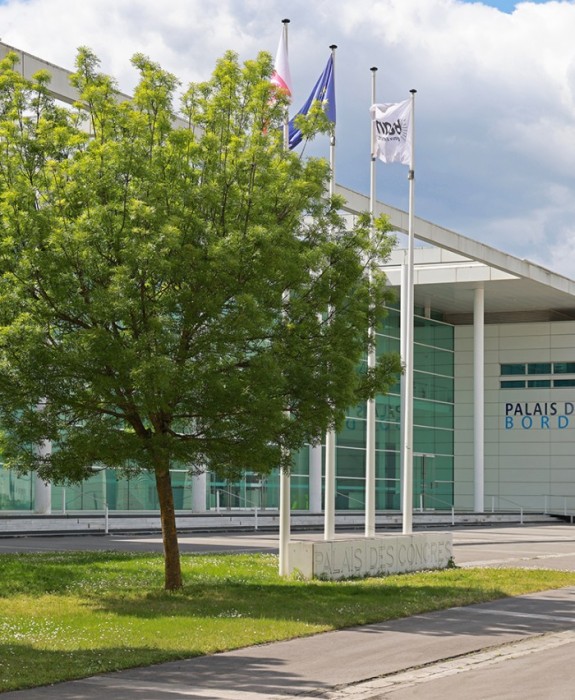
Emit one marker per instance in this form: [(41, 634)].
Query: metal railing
[(560, 505), (249, 504), (509, 504)]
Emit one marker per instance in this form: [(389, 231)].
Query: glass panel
[(88, 495), (430, 313), (16, 492), (434, 415), (352, 433), (507, 369), (564, 367), (358, 411), (388, 408), (301, 461), (350, 494), (138, 493), (440, 494), (563, 382), (111, 485), (388, 436), (391, 323), (228, 495), (350, 462), (299, 490), (270, 490), (214, 485), (179, 488), (433, 360), (539, 368), (385, 343), (433, 441), (251, 487), (423, 478), (430, 332), (538, 383), (512, 385), (388, 484), (433, 481), (429, 386)]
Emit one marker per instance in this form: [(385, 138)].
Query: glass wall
[(432, 436), (16, 492), (433, 412)]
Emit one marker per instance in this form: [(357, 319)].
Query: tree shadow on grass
[(62, 572), (335, 604), (339, 606)]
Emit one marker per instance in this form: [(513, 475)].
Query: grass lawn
[(74, 614)]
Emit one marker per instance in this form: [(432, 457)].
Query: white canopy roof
[(448, 272)]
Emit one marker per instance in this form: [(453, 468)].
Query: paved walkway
[(515, 647)]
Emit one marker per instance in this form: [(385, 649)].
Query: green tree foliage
[(173, 291)]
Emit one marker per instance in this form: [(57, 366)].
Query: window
[(563, 382), (539, 368), (545, 371), (564, 368), (512, 369), (512, 385)]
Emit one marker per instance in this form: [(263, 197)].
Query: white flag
[(392, 127)]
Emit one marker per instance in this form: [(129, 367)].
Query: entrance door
[(423, 480)]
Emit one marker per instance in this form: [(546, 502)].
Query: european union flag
[(324, 92)]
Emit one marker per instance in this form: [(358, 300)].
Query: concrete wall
[(529, 433)]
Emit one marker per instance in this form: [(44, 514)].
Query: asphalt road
[(546, 546)]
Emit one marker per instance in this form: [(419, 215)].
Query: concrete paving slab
[(533, 668)]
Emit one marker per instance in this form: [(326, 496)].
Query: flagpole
[(371, 359), (333, 47), (286, 22), (285, 479), (329, 507), (408, 309)]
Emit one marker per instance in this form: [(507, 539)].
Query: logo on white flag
[(392, 126)]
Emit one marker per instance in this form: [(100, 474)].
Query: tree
[(173, 293)]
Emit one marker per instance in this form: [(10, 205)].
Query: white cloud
[(495, 104), (561, 256)]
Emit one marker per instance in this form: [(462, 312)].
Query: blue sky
[(495, 110), (504, 5)]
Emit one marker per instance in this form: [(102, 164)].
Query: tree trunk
[(172, 566)]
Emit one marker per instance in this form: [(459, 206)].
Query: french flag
[(281, 77)]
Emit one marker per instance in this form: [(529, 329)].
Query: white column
[(370, 482), (478, 399), (43, 489), (329, 516), (285, 507), (315, 479), (199, 486)]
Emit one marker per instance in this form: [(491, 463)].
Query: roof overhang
[(451, 267)]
